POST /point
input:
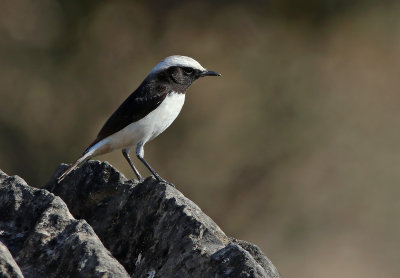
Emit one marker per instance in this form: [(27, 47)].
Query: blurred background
[(295, 148)]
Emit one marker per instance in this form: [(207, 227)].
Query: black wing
[(141, 102)]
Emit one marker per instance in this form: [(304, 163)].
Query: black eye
[(188, 71)]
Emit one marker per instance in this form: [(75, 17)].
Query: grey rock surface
[(44, 238), (8, 266), (152, 229)]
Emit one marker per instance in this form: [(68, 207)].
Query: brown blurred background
[(296, 147)]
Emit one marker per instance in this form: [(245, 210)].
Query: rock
[(44, 238), (8, 267), (152, 229)]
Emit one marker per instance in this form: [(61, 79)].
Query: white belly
[(145, 129)]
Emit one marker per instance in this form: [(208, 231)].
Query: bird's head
[(182, 70)]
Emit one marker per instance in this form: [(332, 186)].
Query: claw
[(159, 179)]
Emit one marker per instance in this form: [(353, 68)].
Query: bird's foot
[(140, 178), (137, 180), (160, 179)]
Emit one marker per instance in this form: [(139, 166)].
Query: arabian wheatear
[(147, 112)]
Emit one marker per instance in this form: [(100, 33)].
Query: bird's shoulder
[(146, 98)]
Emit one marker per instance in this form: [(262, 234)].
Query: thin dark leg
[(125, 153), (140, 155)]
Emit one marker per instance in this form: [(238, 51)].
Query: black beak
[(209, 73)]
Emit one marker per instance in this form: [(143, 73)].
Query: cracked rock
[(153, 230), (40, 238)]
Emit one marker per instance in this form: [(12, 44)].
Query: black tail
[(83, 158)]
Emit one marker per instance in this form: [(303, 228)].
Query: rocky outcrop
[(150, 229), (8, 266), (45, 239)]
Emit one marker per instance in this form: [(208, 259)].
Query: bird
[(146, 113)]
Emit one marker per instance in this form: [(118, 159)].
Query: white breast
[(162, 117), (145, 129)]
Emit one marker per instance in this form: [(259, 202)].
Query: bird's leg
[(140, 155), (125, 153)]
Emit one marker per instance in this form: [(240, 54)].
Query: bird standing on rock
[(147, 112)]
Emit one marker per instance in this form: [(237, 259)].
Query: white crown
[(177, 60)]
